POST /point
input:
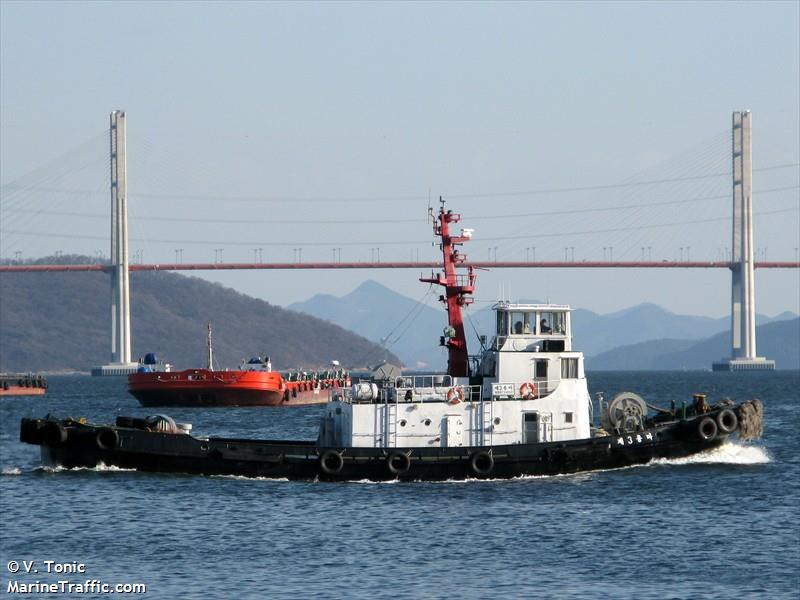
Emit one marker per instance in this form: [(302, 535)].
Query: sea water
[(722, 524)]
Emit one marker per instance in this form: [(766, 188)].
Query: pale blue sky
[(395, 101)]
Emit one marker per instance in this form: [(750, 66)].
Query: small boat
[(520, 407), (254, 383), (22, 384)]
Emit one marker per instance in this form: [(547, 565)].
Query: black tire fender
[(398, 463), (107, 439), (707, 429), (55, 434), (727, 421), (331, 462), (481, 462), (32, 431)]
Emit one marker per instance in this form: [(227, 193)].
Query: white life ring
[(455, 395), (527, 390)]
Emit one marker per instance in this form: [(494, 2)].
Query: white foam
[(104, 467), (370, 482), (730, 453), (246, 478), (100, 468), (10, 471)]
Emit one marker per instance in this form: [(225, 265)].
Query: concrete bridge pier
[(743, 296), (120, 284)]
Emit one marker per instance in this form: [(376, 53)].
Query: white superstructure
[(528, 386)]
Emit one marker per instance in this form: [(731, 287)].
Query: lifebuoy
[(331, 462), (727, 421), (398, 463), (455, 395), (107, 439), (481, 462), (527, 390), (707, 429)]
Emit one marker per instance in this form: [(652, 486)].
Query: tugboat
[(521, 407), (22, 384), (254, 383)]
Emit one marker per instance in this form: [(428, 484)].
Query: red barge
[(22, 384), (254, 383)]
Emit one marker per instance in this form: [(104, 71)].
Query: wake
[(730, 453)]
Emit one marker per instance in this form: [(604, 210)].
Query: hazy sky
[(246, 119)]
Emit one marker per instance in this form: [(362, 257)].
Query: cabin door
[(455, 436), (537, 427)]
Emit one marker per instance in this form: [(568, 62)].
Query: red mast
[(457, 288)]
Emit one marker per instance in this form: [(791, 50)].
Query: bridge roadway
[(634, 264)]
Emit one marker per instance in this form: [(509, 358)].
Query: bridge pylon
[(120, 283), (743, 297)]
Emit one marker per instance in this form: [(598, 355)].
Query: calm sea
[(721, 525)]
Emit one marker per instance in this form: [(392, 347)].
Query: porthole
[(497, 420), (402, 422), (427, 422)]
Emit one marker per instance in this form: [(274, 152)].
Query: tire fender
[(707, 429), (727, 421), (481, 463), (55, 434), (331, 462), (107, 439), (398, 463)]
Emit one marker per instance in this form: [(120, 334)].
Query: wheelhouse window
[(502, 322), (569, 368), (552, 323), (521, 323), (567, 417)]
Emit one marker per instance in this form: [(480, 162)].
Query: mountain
[(379, 313), (61, 321), (407, 327), (595, 333), (778, 340)]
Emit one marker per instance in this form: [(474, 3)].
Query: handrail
[(513, 390)]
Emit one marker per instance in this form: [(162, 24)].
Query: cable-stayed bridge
[(639, 218)]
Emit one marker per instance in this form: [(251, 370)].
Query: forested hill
[(61, 321)]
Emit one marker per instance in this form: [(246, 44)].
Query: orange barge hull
[(201, 387), (20, 390)]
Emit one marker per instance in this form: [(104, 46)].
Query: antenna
[(430, 208), (210, 350)]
